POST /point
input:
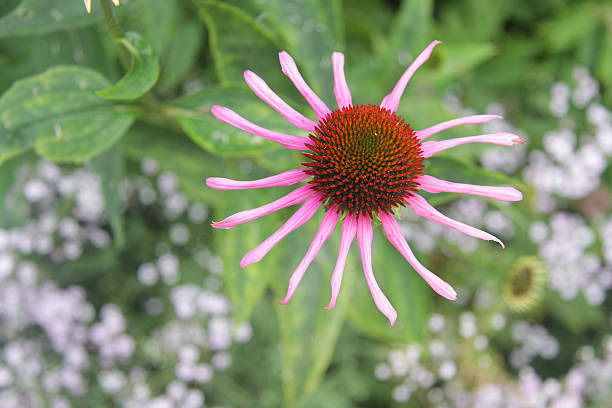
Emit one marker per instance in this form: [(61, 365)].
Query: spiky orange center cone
[(364, 159)]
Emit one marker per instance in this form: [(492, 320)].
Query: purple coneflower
[(363, 162)]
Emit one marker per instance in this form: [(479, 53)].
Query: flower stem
[(113, 27)]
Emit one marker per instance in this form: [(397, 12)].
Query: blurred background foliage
[(130, 101)]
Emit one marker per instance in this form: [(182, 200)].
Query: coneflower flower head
[(363, 161)]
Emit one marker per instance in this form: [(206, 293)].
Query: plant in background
[(525, 283), (364, 162), (115, 291)]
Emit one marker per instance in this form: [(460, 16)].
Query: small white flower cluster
[(570, 166), (432, 372), (69, 346), (590, 380), (572, 269), (435, 376), (535, 341)]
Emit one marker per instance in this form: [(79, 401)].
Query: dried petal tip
[(519, 140), (88, 4)]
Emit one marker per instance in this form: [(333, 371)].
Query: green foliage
[(67, 98), (217, 137), (41, 17), (59, 114), (109, 166), (141, 76)]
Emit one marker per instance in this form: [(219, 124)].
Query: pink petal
[(394, 234), (420, 206), (466, 120), (364, 238), (291, 70), (325, 230), (283, 179), (295, 197), (349, 228), (264, 92), (341, 89), (502, 139), (392, 100), (302, 215), (434, 185), (232, 118)]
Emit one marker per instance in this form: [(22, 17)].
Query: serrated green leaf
[(220, 138), (44, 16), (141, 76), (79, 136), (109, 166), (404, 288)]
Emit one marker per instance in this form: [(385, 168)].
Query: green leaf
[(238, 42), (405, 289), (59, 113), (410, 30), (109, 166), (44, 16), (141, 76), (13, 210), (57, 91), (312, 30), (575, 314), (569, 29), (604, 60), (460, 59), (220, 138), (78, 136), (181, 55), (157, 24), (243, 287), (25, 56)]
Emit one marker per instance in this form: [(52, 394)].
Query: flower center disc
[(364, 159)]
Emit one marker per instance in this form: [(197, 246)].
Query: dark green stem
[(153, 112), (113, 27)]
